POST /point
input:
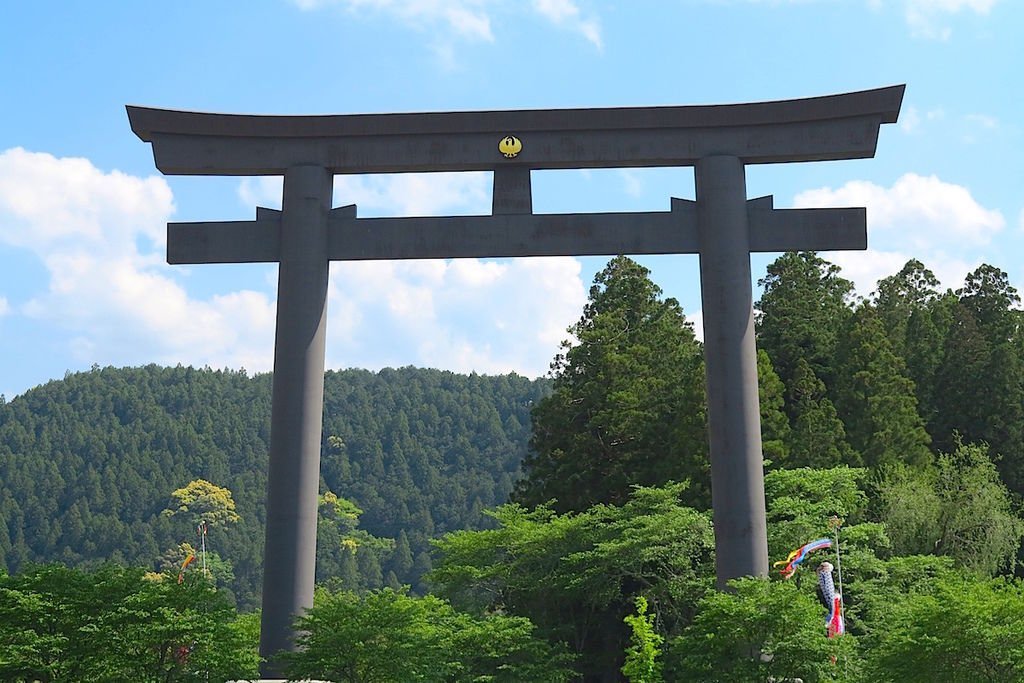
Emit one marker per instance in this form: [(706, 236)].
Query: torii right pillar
[(734, 420)]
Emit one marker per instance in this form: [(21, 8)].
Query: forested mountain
[(88, 464)]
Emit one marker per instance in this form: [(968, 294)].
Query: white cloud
[(920, 212), (5, 307), (919, 217), (48, 202), (866, 268), (461, 315), (101, 238), (397, 194), (697, 318), (111, 299)]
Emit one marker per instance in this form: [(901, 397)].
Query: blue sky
[(83, 210)]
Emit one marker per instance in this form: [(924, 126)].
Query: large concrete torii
[(722, 226)]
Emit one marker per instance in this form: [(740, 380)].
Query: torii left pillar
[(297, 405)]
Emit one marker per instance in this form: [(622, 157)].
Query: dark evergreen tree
[(772, 398), (898, 297), (627, 406), (801, 313), (817, 438), (875, 398), (924, 348)]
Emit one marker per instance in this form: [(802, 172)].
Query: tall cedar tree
[(818, 437), (898, 297), (980, 382), (627, 406), (772, 399), (801, 314), (875, 397)]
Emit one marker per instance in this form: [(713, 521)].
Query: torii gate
[(722, 226)]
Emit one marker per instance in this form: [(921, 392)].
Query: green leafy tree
[(992, 301), (960, 509), (898, 297), (627, 402), (916, 318), (958, 629), (642, 665), (218, 569), (977, 524), (347, 556), (909, 505), (62, 624), (577, 575), (200, 501), (759, 631), (386, 636), (980, 382), (800, 503), (807, 504)]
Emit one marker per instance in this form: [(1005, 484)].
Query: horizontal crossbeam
[(514, 235), (841, 126)]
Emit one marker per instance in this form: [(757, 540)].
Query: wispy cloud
[(983, 121), (465, 18), (468, 19), (930, 19), (567, 14), (910, 119), (631, 182)]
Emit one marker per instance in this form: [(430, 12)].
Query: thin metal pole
[(734, 418), (839, 571)]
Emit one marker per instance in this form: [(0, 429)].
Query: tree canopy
[(627, 403)]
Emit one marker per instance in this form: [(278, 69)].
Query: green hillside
[(88, 463)]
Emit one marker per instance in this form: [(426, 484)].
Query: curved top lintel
[(882, 102)]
